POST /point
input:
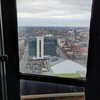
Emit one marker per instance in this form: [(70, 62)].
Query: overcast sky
[(54, 12)]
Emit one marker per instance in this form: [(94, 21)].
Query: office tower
[(50, 46), (39, 47), (32, 47)]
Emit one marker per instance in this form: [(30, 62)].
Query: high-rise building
[(50, 46), (32, 47), (39, 47)]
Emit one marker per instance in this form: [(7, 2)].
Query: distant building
[(69, 69), (50, 46), (71, 35), (42, 46), (61, 42), (32, 47)]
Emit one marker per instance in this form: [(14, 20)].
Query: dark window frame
[(9, 19)]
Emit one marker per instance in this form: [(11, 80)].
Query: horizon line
[(49, 26)]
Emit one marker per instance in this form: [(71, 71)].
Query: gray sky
[(54, 12)]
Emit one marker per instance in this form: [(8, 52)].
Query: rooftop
[(69, 68)]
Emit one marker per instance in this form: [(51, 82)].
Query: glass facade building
[(50, 46), (32, 47)]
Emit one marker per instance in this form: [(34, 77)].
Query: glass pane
[(53, 37), (49, 91)]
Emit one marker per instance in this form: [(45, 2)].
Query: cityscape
[(53, 38), (43, 49)]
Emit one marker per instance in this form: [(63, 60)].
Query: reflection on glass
[(49, 91), (53, 37)]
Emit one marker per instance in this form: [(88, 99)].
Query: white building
[(69, 67)]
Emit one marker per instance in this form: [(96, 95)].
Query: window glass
[(34, 87), (53, 37), (49, 91)]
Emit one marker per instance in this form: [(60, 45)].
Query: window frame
[(93, 69), (9, 26), (9, 19)]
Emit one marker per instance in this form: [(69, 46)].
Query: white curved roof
[(68, 67)]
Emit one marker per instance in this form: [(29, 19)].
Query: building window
[(9, 23), (57, 34), (53, 40)]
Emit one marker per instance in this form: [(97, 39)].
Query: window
[(62, 26), (53, 40), (9, 16)]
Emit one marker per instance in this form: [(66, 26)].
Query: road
[(62, 54), (24, 60)]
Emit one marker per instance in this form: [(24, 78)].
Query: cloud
[(54, 9)]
